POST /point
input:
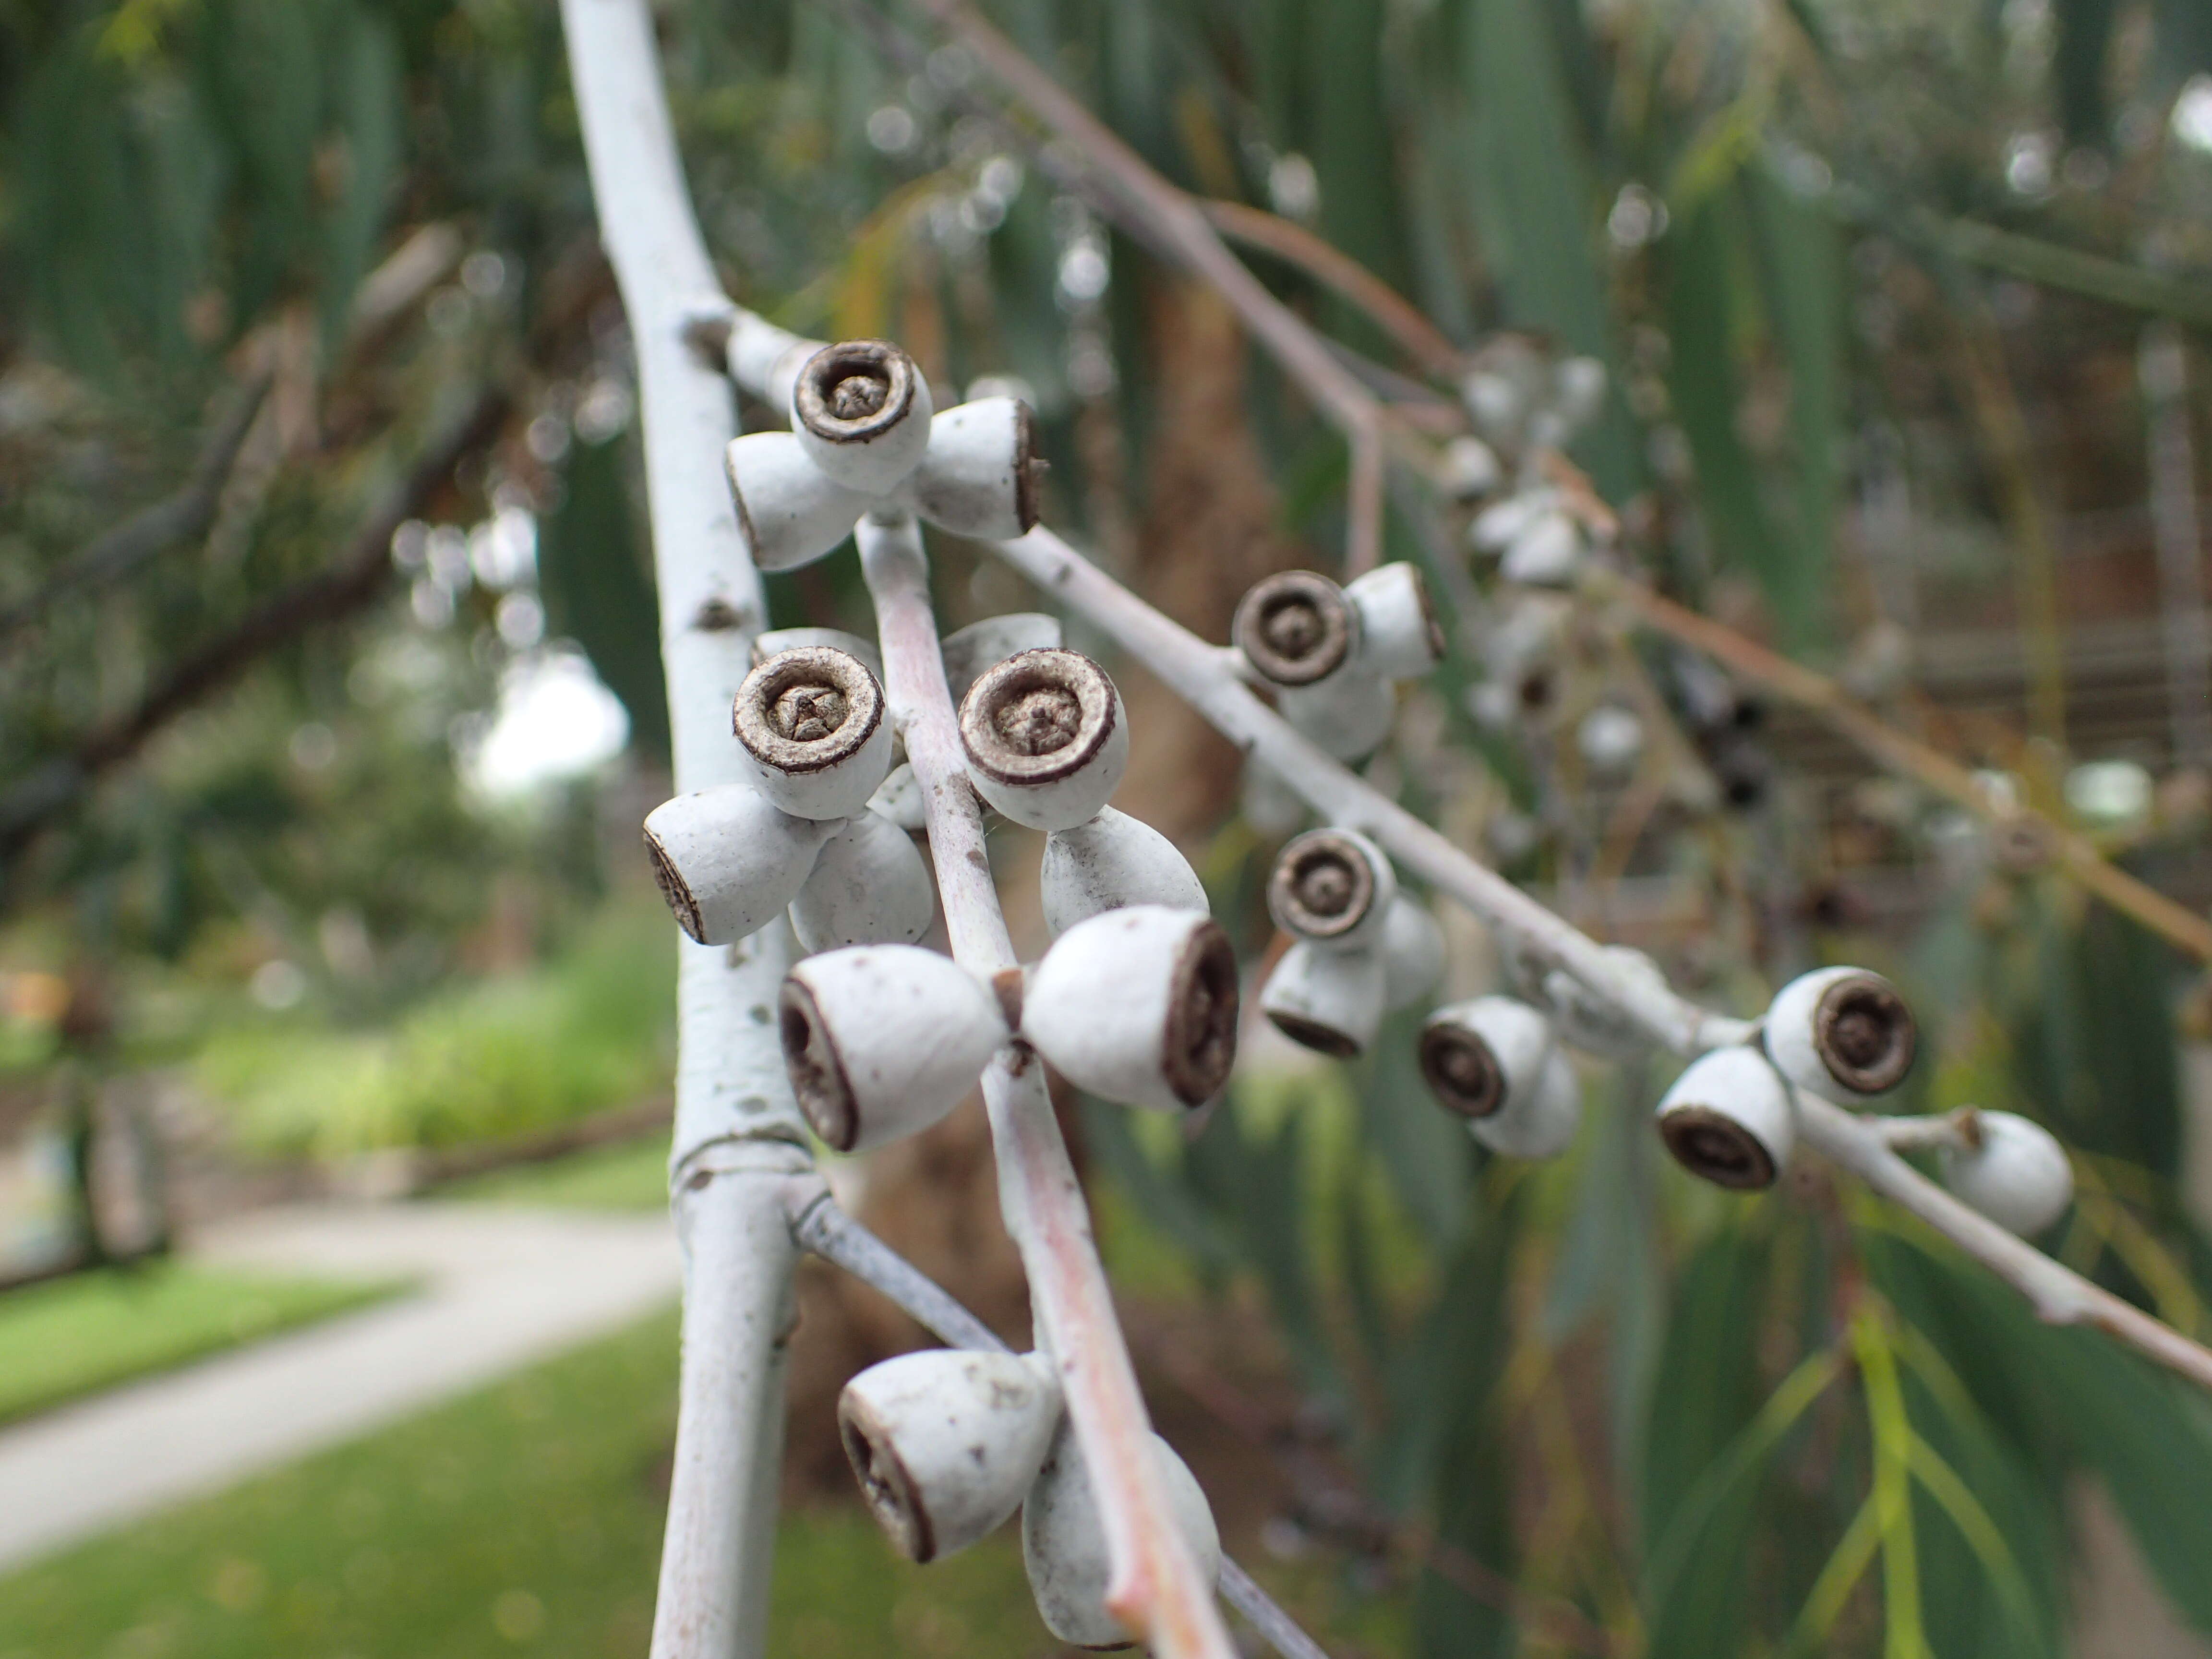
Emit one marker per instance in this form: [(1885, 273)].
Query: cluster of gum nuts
[(1136, 999)]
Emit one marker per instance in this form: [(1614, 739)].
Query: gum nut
[(1467, 468), (1493, 402), (1064, 1542), (788, 514), (1400, 638), (1138, 1006), (1545, 555), (814, 730), (870, 886), (981, 472), (1730, 1119), (1844, 1033), (1413, 951), (1332, 886), (1296, 628), (883, 1040), (1499, 524), (968, 650), (1578, 392), (946, 1443), (2018, 1176), (1478, 1056), (1610, 739), (1348, 715), (1046, 737), (860, 410), (898, 797), (1540, 1122), (1109, 862), (1495, 705), (1326, 998), (729, 860), (784, 639)]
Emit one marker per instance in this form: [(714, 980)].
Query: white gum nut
[(786, 639), (1546, 554), (766, 360), (870, 886), (968, 650), (1328, 999), (728, 858), (1595, 1024), (1413, 951), (815, 731), (1578, 392), (1467, 468), (1296, 628), (1109, 862), (1610, 740), (1730, 1119), (1480, 1056), (947, 1442), (2017, 1174), (861, 409), (1842, 1032), (883, 1040), (1349, 715), (898, 797), (1539, 1123), (980, 474), (1138, 1006), (788, 514), (1498, 526), (1332, 886), (1046, 737), (1064, 1542), (1400, 637)]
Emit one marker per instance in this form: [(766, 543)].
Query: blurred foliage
[(1791, 1423)]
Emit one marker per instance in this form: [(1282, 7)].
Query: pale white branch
[(1158, 1589)]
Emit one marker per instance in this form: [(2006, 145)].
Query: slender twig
[(123, 548), (343, 587), (820, 1224), (2058, 1294), (1909, 758), (1183, 224), (1419, 338), (1201, 675), (1157, 1590), (739, 1136)]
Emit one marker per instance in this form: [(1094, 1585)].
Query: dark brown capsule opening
[(807, 709), (1864, 1035), (1460, 1070), (1038, 717), (886, 1482), (1716, 1148), (674, 888), (1322, 886), (851, 392), (817, 1076), (1294, 628), (1316, 1034), (1202, 1007)]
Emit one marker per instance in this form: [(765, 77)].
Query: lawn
[(524, 1518), (628, 1175), (91, 1330)]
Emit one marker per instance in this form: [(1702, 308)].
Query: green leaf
[(367, 104), (592, 576), (1427, 1153)]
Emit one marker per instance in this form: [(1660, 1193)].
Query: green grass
[(72, 1336), (525, 1518), (632, 1175)]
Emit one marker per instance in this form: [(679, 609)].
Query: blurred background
[(336, 1016)]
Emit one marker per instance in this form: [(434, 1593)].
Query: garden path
[(499, 1288)]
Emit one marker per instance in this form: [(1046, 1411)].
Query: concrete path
[(501, 1289)]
